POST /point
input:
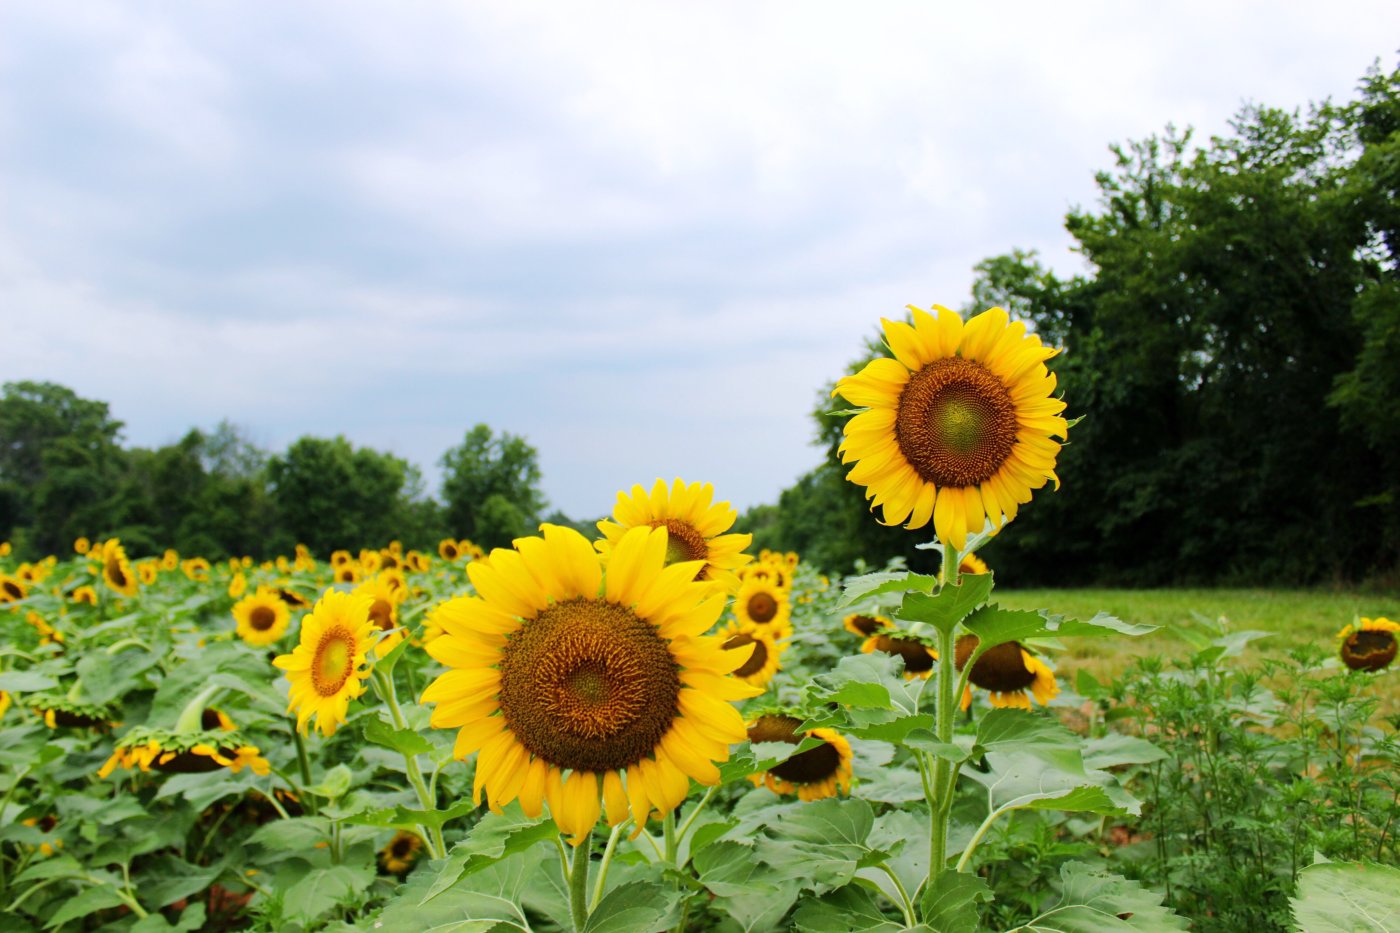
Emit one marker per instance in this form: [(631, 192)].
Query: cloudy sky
[(639, 234)]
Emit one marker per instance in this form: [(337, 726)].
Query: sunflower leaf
[(488, 900), (403, 741), (320, 889), (877, 584), (495, 837), (848, 908), (951, 902), (634, 907), (25, 682), (866, 681), (1348, 897), (1096, 901), (995, 626), (755, 895), (88, 901), (950, 605)]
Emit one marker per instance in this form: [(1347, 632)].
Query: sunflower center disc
[(756, 660), (1001, 669), (261, 618), (401, 848), (589, 685), (1369, 650), (115, 574), (956, 422), (866, 625), (333, 662), (762, 607), (382, 614), (809, 767), (916, 657), (683, 543)]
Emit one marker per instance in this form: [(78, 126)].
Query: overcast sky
[(639, 234)]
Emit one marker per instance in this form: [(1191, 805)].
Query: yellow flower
[(765, 652), (971, 563), (237, 586), (598, 694), (48, 635), (82, 546), (399, 855), (170, 559), (262, 617), (865, 625), (149, 571), (696, 528), (1006, 672), (47, 825), (326, 668), (340, 558), (448, 550), (347, 573), (12, 590), (918, 657), (814, 774), (196, 568), (762, 604), (384, 599), (160, 750), (84, 594), (5, 701), (957, 425), (1369, 645)]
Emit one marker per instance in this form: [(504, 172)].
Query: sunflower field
[(656, 729)]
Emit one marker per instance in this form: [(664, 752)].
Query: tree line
[(1233, 347), (64, 473)]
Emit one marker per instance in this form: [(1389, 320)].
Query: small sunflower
[(957, 426), (469, 550), (48, 635), (384, 599), (326, 668), (399, 855), (59, 712), (695, 528), (571, 684), (196, 568), (1369, 645), (196, 752), (292, 598), (5, 701), (340, 558), (971, 563), (116, 569), (814, 774), (918, 657), (82, 546), (1006, 672), (12, 589), (347, 573), (149, 571), (760, 603), (767, 652), (448, 550), (47, 825), (237, 586), (170, 559), (865, 625), (262, 617)]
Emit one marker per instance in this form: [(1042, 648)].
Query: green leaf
[(876, 584), (1093, 900), (296, 834), (1117, 749), (169, 878), (951, 903), (994, 626), (950, 605), (87, 901), (192, 918), (60, 866), (863, 681), (1007, 730), (496, 836), (821, 844), (904, 834), (202, 789), (25, 682), (320, 889), (488, 900), (846, 909), (634, 907), (756, 895), (1348, 897), (402, 817), (335, 784), (403, 741)]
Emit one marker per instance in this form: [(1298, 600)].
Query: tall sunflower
[(326, 667), (812, 775), (696, 528), (116, 569), (956, 427), (1008, 672), (262, 617), (571, 685), (1369, 644), (762, 604)]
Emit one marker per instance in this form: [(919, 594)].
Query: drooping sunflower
[(402, 851), (696, 528), (326, 668), (571, 685), (384, 599), (145, 748), (814, 774), (918, 657), (865, 625), (1006, 672), (262, 617), (292, 598), (766, 652), (760, 603), (59, 712), (1369, 644), (957, 424), (116, 569)]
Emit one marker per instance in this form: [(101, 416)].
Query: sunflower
[(606, 679), (84, 594), (212, 719), (149, 570), (766, 654), (12, 589), (48, 635), (116, 569), (865, 625), (1006, 672), (196, 568), (59, 712), (760, 603), (918, 657), (237, 586), (347, 573), (82, 546), (369, 561), (384, 599), (5, 701), (262, 617), (1368, 645), (469, 550), (957, 425), (195, 752), (971, 563), (448, 550), (696, 528), (325, 668), (399, 855), (46, 825), (340, 558), (814, 774), (170, 559), (292, 598)]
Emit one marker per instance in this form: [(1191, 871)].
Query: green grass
[(1295, 616)]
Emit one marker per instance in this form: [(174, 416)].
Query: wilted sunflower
[(384, 599), (557, 669), (325, 668), (814, 774), (865, 625), (957, 425), (399, 855), (762, 604), (1368, 645), (918, 657), (145, 749), (12, 590), (696, 528), (262, 617), (1006, 672), (767, 652), (448, 550)]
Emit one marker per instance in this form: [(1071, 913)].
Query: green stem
[(668, 832), (607, 860), (944, 715), (436, 846), (977, 836), (578, 886), (304, 764), (193, 713), (690, 820), (905, 905)]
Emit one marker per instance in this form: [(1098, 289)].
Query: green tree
[(332, 495), (483, 475)]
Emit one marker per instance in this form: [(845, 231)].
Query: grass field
[(1294, 616)]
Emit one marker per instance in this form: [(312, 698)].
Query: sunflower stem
[(384, 684), (942, 769), (607, 860), (193, 713), (668, 830), (304, 765), (578, 886)]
